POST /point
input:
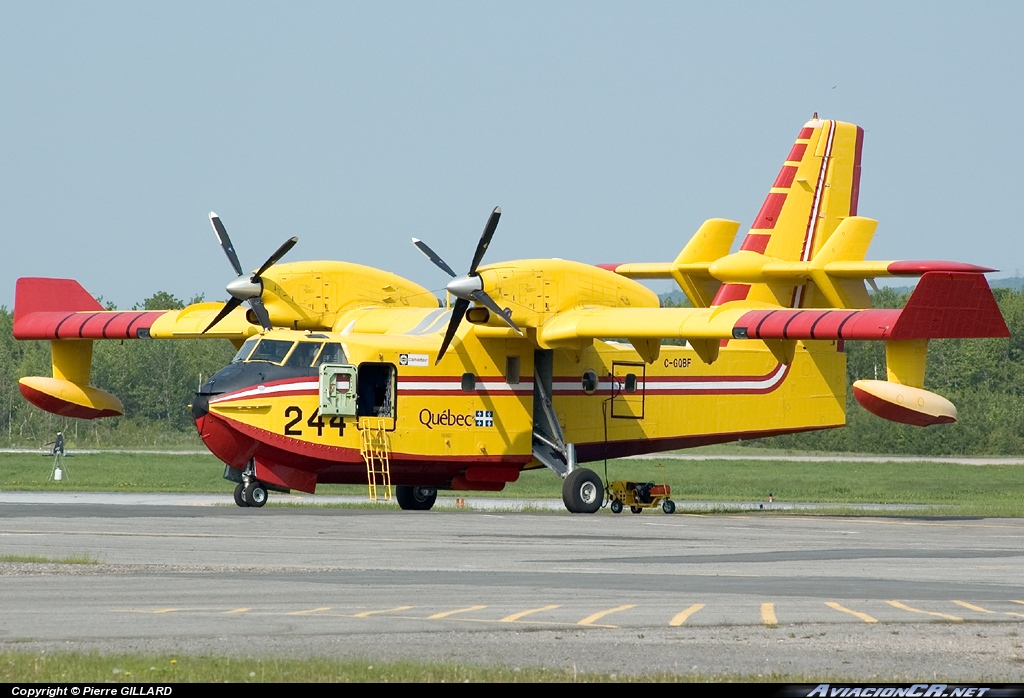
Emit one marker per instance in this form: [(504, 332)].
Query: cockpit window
[(271, 350), (332, 354), (245, 350), (303, 355)]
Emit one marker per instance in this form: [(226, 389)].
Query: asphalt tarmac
[(759, 594)]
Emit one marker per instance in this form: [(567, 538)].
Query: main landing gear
[(415, 498), (582, 491)]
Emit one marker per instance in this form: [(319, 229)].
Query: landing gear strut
[(250, 492), (415, 498), (582, 491)]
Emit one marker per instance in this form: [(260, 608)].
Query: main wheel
[(636, 510), (240, 495), (616, 506), (582, 491), (414, 498), (668, 506), (255, 494)]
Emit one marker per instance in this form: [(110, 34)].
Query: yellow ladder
[(376, 450)]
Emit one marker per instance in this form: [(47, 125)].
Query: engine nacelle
[(903, 403), (69, 399)]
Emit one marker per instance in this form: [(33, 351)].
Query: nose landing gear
[(250, 492)]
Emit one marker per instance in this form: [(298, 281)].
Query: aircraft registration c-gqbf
[(349, 374)]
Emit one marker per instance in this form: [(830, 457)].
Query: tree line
[(155, 380)]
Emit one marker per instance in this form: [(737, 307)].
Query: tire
[(636, 510), (582, 491), (616, 506), (415, 498), (240, 495), (668, 506), (255, 494)]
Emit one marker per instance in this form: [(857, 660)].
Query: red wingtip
[(919, 267)]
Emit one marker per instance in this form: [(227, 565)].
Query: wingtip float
[(348, 374)]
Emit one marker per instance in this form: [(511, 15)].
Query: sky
[(606, 131)]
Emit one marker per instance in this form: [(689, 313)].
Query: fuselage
[(468, 422)]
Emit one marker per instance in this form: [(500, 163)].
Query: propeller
[(469, 287), (246, 287)]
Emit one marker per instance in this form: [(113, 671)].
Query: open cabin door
[(338, 389)]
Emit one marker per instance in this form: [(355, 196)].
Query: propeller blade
[(485, 239), (458, 312), (274, 258), (261, 312), (225, 242), (433, 256), (224, 312), (488, 302)]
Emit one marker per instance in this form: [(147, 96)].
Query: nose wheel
[(251, 494)]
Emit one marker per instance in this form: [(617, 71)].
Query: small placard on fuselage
[(413, 360)]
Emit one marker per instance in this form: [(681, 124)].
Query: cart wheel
[(616, 506), (668, 506), (636, 510)]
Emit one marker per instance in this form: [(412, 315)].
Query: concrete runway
[(771, 595)]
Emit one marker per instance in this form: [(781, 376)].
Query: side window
[(303, 355), (245, 350), (468, 382), (589, 382), (630, 382), (331, 354)]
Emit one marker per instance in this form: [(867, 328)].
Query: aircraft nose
[(200, 406)]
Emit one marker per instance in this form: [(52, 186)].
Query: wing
[(944, 305)]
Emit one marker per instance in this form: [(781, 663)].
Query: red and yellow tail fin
[(816, 189)]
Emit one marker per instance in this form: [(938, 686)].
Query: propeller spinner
[(469, 287), (247, 287)]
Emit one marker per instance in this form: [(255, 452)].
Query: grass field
[(992, 490), (75, 667)]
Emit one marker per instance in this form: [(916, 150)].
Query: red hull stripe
[(690, 385), (769, 213), (755, 243)]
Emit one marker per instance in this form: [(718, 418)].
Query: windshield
[(271, 350), (245, 350), (303, 355), (332, 354)]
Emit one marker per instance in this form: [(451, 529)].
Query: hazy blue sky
[(605, 131)]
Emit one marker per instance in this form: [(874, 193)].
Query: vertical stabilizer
[(816, 189)]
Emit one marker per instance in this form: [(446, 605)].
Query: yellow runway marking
[(445, 614), (238, 610), (768, 614), (593, 618), (308, 611), (1015, 601), (516, 616), (863, 616), (971, 606), (366, 614), (680, 618), (904, 607), (155, 611)]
